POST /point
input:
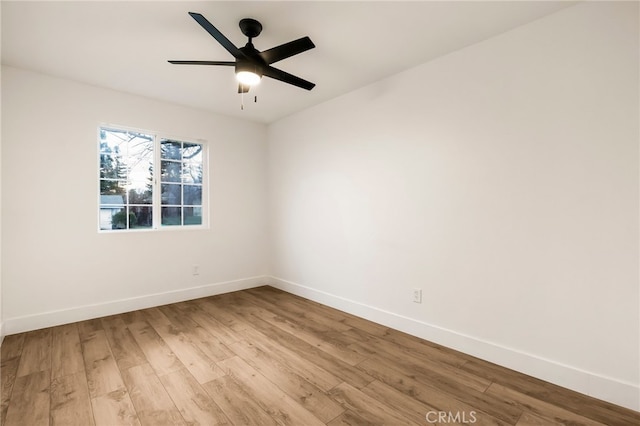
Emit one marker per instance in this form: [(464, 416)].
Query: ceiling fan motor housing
[(250, 27), (252, 62)]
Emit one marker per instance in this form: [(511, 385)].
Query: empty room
[(320, 213)]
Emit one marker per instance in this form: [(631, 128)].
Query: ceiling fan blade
[(285, 77), (215, 33), (243, 88), (231, 63), (287, 50)]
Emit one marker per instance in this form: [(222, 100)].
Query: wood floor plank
[(86, 329), (368, 408), (237, 405), (449, 384), (425, 349), (575, 402), (293, 310), (418, 410), (203, 368), (442, 376), (220, 332), (155, 350), (316, 357), (530, 419), (319, 338), (66, 354), (70, 402), (355, 322), (284, 409), (30, 401), (199, 336), (595, 409), (435, 397), (8, 373), (114, 409), (338, 368), (350, 418), (12, 346), (305, 393), (134, 316), (216, 307), (125, 349), (411, 408), (103, 374), (150, 399), (320, 377), (36, 352), (316, 312), (319, 310), (417, 363), (194, 403), (540, 408), (501, 375)]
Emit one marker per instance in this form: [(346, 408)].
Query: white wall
[(502, 180), (56, 267)]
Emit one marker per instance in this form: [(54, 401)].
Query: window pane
[(140, 217), (171, 194), (192, 152), (171, 216), (193, 215), (125, 143), (192, 173), (114, 188), (112, 167), (140, 166), (126, 159), (170, 150), (140, 193), (170, 171), (192, 195), (105, 148), (110, 141), (113, 218)]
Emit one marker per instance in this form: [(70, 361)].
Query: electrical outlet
[(195, 270), (417, 295)]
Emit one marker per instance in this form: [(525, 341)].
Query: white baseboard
[(608, 389), (81, 313)]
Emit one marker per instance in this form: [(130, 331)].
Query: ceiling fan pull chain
[(242, 101)]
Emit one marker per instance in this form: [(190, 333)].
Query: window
[(134, 196)]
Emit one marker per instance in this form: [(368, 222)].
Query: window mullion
[(157, 188)]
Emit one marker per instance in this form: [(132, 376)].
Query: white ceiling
[(125, 45)]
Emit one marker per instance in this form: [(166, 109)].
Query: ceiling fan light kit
[(251, 64), (248, 78)]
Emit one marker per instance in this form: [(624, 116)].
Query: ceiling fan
[(251, 64)]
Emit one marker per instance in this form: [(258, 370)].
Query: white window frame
[(157, 184)]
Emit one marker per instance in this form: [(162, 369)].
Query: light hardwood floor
[(265, 357)]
